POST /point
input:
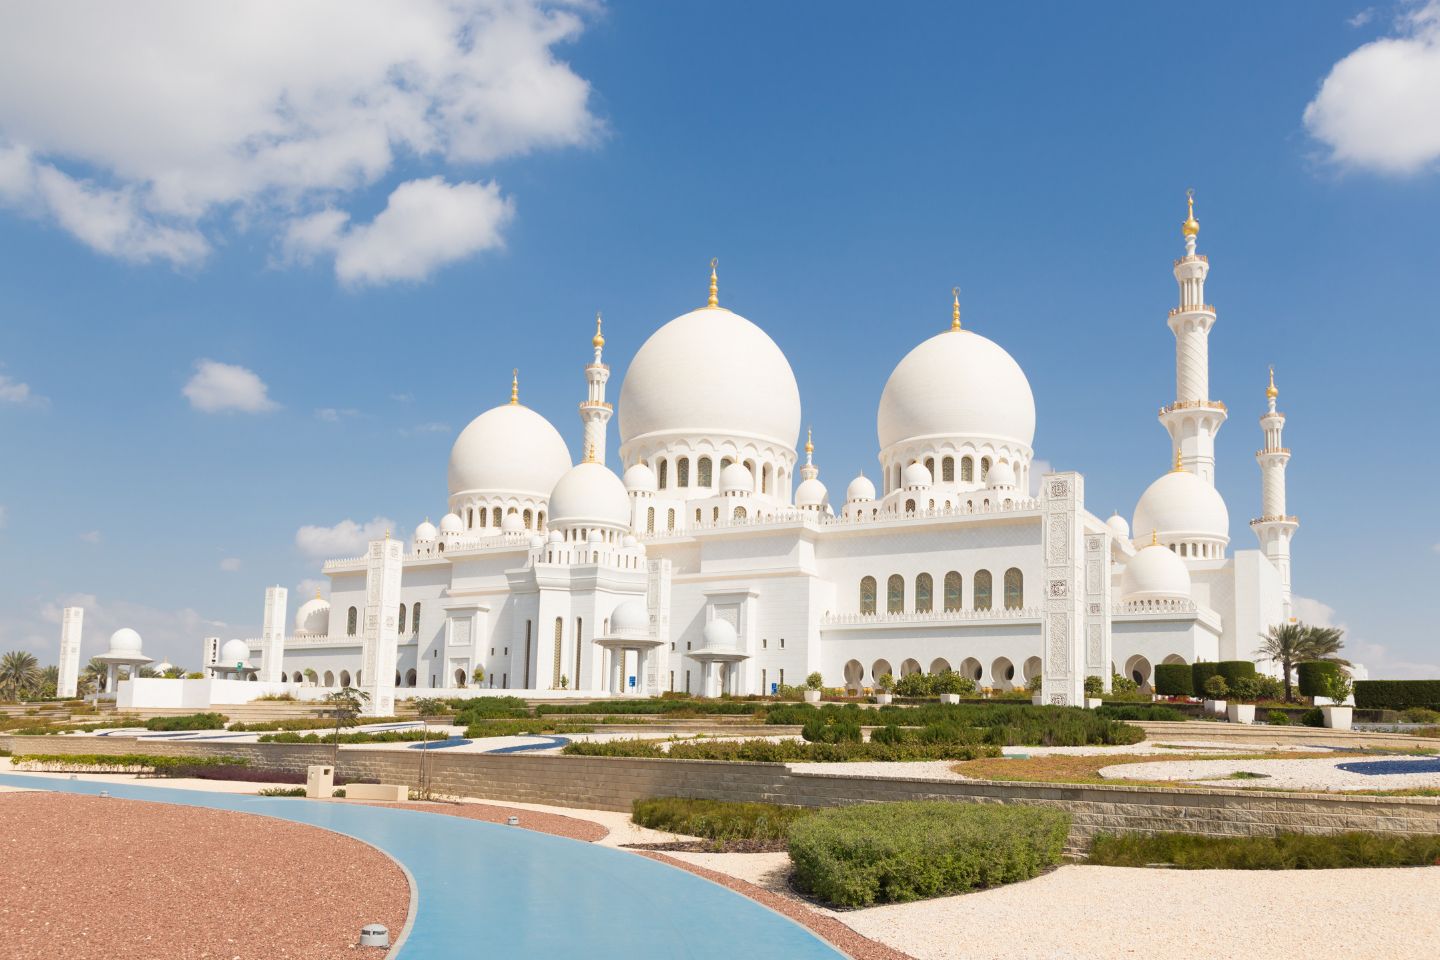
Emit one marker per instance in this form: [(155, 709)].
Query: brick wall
[(607, 783)]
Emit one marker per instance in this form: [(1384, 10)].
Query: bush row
[(1153, 712), (488, 708), (1174, 680), (660, 706), (785, 751), (717, 819), (896, 852), (1285, 851), (1005, 724), (1314, 677), (379, 736), (1229, 670), (152, 761), (189, 721), (1397, 694), (302, 723), (515, 728)]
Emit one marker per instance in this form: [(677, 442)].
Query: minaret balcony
[(1277, 520), (595, 405), (1193, 405), (1191, 258), (1273, 451), (1197, 308)]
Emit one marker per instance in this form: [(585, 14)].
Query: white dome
[(630, 616), (1118, 526), (957, 385), (916, 475), (556, 536), (509, 449), (1181, 506), (640, 479), (736, 478), (162, 666), (1002, 475), (234, 651), (589, 493), (125, 641), (810, 493), (860, 489), (710, 372), (1155, 573), (426, 532), (313, 616), (451, 523), (719, 633), (513, 523)]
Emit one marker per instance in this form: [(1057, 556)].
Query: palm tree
[(92, 679), (49, 684), (19, 673), (1293, 643)]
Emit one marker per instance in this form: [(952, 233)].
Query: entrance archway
[(970, 667)]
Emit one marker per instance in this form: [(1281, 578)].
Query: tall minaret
[(595, 412), (809, 471), (1193, 419), (1275, 528)]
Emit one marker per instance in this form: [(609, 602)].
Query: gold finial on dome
[(1191, 226), (714, 284), (955, 310), (1270, 391), (1178, 465), (809, 443), (598, 340), (589, 453), (1154, 537), (317, 594), (515, 387)]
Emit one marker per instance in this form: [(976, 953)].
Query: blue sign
[(632, 680), (774, 688)]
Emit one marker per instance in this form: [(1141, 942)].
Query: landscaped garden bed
[(1285, 851)]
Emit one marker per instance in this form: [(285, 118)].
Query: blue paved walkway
[(491, 890)]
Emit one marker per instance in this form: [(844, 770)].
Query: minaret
[(809, 471), (1193, 419), (1274, 527), (595, 413)]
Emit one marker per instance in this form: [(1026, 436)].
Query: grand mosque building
[(714, 559)]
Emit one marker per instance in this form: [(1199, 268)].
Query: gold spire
[(1154, 537), (317, 593), (955, 310), (1191, 225), (515, 387), (1270, 391), (714, 284), (589, 453), (809, 444), (1178, 466), (598, 340)]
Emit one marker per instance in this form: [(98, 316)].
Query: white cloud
[(335, 414), (217, 387), (1380, 661), (91, 536), (403, 397), (144, 128), (1379, 107), (1362, 18), (308, 588), (421, 428), (230, 564), (173, 635), (1038, 469), (425, 225), (346, 539), (13, 391)]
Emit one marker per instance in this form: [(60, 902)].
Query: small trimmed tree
[(1174, 680), (1216, 688)]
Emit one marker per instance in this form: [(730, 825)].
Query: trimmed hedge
[(717, 819), (659, 707), (785, 751), (1397, 694), (1285, 851), (1005, 724), (188, 721), (1231, 670), (896, 852), (1174, 680), (77, 761), (1314, 676)]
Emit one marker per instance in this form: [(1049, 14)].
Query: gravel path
[(86, 878), (1316, 774)]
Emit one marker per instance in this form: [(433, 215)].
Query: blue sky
[(248, 296)]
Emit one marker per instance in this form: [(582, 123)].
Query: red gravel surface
[(86, 878), (555, 823)]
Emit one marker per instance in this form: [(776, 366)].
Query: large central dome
[(710, 372)]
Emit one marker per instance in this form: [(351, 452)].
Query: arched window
[(895, 594), (350, 620), (715, 515), (924, 593), (967, 470), (739, 513), (682, 472), (1014, 589), (540, 520), (984, 469), (982, 589), (947, 470), (952, 591), (697, 516), (702, 469), (555, 674), (909, 506), (344, 678), (895, 478), (469, 518), (650, 520), (664, 474), (495, 517), (930, 467), (725, 462), (670, 519), (754, 474), (415, 620), (867, 594), (765, 474), (402, 618), (329, 678), (528, 517)]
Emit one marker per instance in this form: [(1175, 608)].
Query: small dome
[(736, 478), (589, 493), (1181, 506), (596, 536), (162, 666), (313, 616), (915, 475), (513, 523), (1118, 526), (426, 532), (235, 651), (1002, 475), (719, 633), (1155, 573), (640, 479), (630, 616), (810, 493), (556, 536), (537, 541), (507, 450), (125, 641), (451, 524), (860, 489), (631, 541)]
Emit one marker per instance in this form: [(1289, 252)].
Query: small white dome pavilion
[(590, 495), (1155, 573)]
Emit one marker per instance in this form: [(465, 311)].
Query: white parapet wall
[(156, 693)]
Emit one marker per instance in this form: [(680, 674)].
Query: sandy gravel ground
[(1315, 774), (85, 878)]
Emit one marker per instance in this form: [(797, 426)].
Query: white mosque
[(714, 560)]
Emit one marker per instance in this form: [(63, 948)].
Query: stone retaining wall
[(612, 783)]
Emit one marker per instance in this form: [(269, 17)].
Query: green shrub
[(1285, 851), (1174, 680), (658, 706), (338, 792), (516, 728), (1216, 688), (832, 728), (1140, 712), (1417, 714), (486, 708), (1278, 718), (1397, 694), (1314, 677), (1233, 670), (380, 736), (785, 751), (302, 723), (951, 682), (1200, 673), (1314, 717), (896, 852), (1094, 686), (717, 820), (1123, 686), (77, 761), (188, 721), (283, 792), (1269, 689), (1010, 724)]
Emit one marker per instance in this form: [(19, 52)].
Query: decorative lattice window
[(895, 594), (952, 591), (982, 590), (1014, 589), (924, 593), (867, 595)]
